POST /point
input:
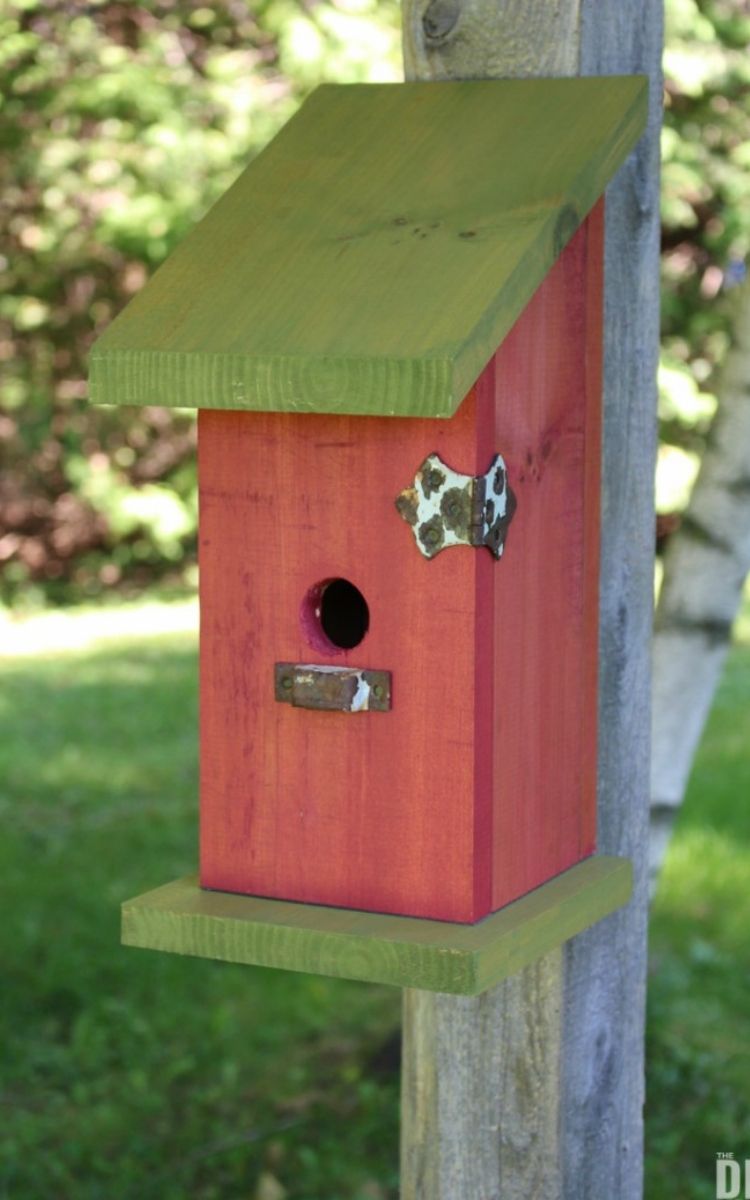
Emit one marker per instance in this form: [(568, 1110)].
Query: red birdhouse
[(392, 325)]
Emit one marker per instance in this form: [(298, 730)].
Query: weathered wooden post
[(392, 325), (536, 1088)]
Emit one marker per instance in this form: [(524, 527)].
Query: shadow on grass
[(133, 1074)]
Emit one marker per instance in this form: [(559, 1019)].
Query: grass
[(699, 1015), (129, 1075)]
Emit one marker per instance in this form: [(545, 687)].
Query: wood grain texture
[(184, 918), (598, 1096), (374, 255), (480, 783), (471, 39), (382, 811), (490, 1081), (605, 971), (546, 387)]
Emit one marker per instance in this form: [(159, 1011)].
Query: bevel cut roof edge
[(336, 273), (420, 387)]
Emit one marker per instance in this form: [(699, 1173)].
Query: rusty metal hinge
[(445, 508), (336, 689)]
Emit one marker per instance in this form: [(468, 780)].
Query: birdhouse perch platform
[(410, 952)]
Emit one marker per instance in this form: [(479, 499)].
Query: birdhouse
[(392, 327)]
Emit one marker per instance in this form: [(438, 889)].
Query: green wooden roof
[(375, 254)]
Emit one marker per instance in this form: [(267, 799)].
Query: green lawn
[(698, 1079), (134, 1075)]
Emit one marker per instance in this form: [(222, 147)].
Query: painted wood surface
[(479, 783), (374, 255), (383, 811), (184, 918), (546, 387), (588, 1066)]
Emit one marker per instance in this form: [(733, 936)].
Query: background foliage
[(705, 219), (121, 123), (137, 1075)]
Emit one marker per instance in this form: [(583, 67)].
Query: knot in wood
[(439, 20)]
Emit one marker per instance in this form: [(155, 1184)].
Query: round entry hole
[(335, 615)]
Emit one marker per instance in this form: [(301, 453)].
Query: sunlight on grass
[(705, 882), (62, 631)]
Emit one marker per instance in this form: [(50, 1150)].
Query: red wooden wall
[(546, 380), (479, 784)]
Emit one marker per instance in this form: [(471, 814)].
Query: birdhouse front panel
[(476, 781), (302, 550)]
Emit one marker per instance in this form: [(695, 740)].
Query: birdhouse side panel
[(546, 384), (381, 810)]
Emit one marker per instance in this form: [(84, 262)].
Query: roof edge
[(385, 387), (481, 343)]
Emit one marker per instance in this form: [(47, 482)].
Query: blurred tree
[(705, 221), (705, 411), (705, 566), (119, 125)]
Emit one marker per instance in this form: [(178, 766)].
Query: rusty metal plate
[(335, 689), (445, 508)]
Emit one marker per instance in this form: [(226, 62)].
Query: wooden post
[(535, 1089)]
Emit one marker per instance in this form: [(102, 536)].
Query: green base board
[(411, 952)]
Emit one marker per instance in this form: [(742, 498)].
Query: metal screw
[(378, 692), (434, 479), (286, 682), (453, 509), (432, 537)]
